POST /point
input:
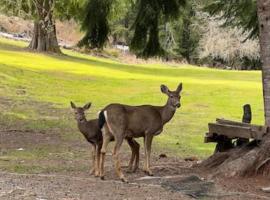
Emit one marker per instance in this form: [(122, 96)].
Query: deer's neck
[(82, 125), (167, 112)]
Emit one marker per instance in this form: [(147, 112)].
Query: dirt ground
[(50, 165), (173, 177)]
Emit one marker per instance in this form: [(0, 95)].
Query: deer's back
[(136, 120)]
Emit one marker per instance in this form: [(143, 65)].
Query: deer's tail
[(101, 119)]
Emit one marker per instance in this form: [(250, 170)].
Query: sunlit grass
[(207, 94)]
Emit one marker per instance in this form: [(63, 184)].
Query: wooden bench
[(234, 130), (223, 132)]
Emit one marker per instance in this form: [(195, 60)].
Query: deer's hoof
[(149, 172), (92, 171), (124, 180), (130, 170), (102, 178), (135, 169)]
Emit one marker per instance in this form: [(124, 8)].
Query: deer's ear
[(164, 89), (179, 88), (72, 105), (87, 106)]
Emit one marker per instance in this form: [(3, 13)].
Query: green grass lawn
[(207, 93)]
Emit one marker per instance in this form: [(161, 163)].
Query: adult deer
[(120, 121), (92, 133)]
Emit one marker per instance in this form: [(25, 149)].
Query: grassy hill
[(35, 91)]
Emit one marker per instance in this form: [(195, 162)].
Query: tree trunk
[(253, 158), (263, 8), (44, 37)]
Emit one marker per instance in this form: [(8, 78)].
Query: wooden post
[(247, 117)]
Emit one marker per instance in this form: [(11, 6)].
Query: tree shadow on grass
[(11, 47), (91, 62), (134, 69), (168, 72)]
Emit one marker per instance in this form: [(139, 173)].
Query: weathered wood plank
[(234, 131), (253, 126), (229, 122), (258, 134), (230, 131), (257, 130)]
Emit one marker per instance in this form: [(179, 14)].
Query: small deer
[(92, 133), (120, 121)]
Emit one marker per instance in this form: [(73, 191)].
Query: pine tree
[(188, 33), (240, 13), (96, 24), (145, 41)]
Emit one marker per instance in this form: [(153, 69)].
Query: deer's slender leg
[(137, 155), (106, 140), (92, 171), (118, 143), (145, 153), (97, 164), (133, 153), (147, 147)]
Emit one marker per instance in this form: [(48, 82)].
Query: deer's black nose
[(178, 105)]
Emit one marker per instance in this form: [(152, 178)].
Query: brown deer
[(120, 121), (92, 133)]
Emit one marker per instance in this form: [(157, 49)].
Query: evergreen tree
[(189, 32), (145, 41), (122, 17), (95, 23), (239, 13)]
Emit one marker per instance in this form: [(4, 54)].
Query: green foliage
[(180, 37), (95, 23), (168, 36), (21, 8), (189, 28), (145, 42), (63, 9), (69, 9), (237, 13), (121, 18)]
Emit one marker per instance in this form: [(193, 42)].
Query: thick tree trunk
[(263, 7), (44, 37), (44, 41)]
